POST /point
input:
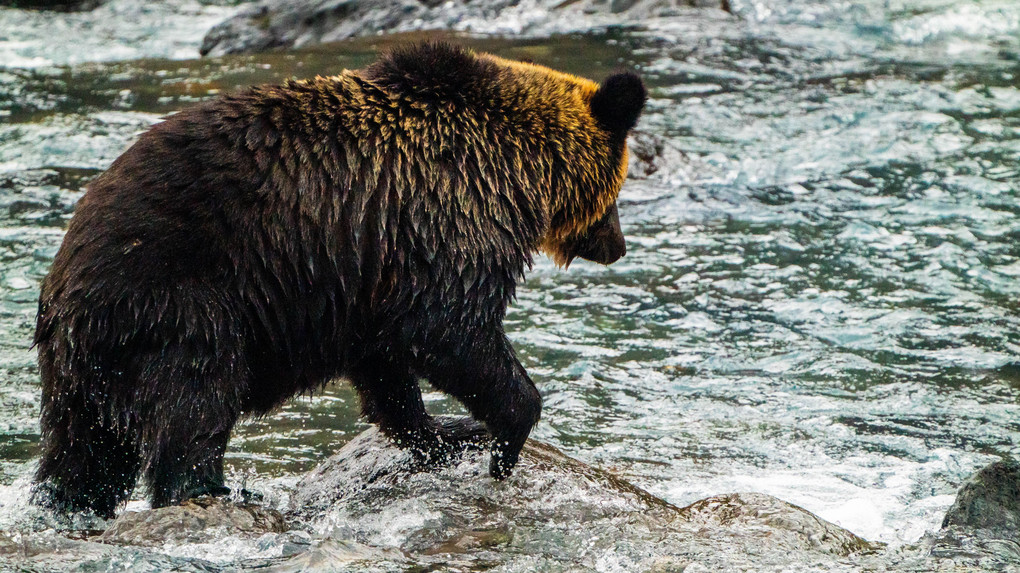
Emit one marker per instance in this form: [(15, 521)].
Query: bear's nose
[(604, 242)]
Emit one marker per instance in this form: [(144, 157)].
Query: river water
[(819, 300)]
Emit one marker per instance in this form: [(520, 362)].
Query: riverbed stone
[(275, 24), (553, 507), (777, 519), (989, 500), (271, 24), (655, 157), (983, 524), (192, 522), (370, 508)]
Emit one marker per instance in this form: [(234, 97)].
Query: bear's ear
[(618, 102)]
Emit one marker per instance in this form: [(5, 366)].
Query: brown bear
[(372, 225)]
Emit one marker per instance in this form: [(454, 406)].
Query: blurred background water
[(819, 300)]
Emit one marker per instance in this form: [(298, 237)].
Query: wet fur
[(371, 225)]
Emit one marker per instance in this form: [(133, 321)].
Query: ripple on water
[(115, 30)]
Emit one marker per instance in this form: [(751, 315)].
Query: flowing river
[(820, 296)]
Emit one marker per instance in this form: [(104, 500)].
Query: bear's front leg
[(482, 371), (391, 399)]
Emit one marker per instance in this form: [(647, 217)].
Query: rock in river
[(983, 525), (367, 508), (271, 24), (190, 522), (555, 509)]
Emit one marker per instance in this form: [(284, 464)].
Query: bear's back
[(308, 210)]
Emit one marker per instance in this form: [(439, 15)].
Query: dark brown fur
[(371, 225)]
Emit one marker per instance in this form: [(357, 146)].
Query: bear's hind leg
[(86, 466), (90, 461), (391, 399), (191, 404)]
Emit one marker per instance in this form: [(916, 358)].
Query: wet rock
[(369, 479), (989, 501), (655, 157), (190, 522), (983, 523), (61, 5), (786, 523), (345, 555), (273, 24), (285, 23), (52, 551), (20, 552), (554, 508)]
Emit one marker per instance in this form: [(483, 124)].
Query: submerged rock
[(200, 535), (291, 24), (984, 523), (277, 24), (655, 157), (191, 522)]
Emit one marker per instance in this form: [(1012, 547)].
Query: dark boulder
[(284, 24), (983, 525), (989, 501), (271, 24), (56, 5)]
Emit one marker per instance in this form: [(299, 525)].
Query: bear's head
[(588, 138), (567, 134)]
